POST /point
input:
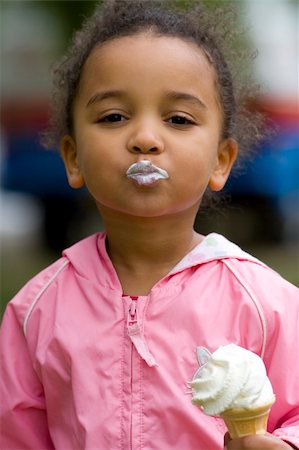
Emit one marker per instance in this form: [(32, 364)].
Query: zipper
[(136, 353), (135, 333), (132, 320)]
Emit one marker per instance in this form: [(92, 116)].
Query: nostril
[(145, 148), (140, 150)]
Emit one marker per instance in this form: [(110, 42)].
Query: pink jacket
[(84, 367)]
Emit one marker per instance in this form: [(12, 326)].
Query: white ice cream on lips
[(231, 377), (145, 173)]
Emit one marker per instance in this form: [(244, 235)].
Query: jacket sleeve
[(279, 305), (23, 411), (282, 359)]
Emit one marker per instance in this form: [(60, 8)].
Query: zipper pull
[(132, 313), (136, 335)]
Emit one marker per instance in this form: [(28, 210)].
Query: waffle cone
[(243, 422)]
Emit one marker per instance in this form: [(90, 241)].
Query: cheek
[(197, 168), (93, 158), (101, 174)]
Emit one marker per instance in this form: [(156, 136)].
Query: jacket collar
[(91, 261), (214, 246)]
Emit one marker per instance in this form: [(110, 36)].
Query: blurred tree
[(72, 12)]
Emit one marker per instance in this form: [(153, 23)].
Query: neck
[(147, 248)]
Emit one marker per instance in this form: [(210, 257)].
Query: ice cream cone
[(243, 422)]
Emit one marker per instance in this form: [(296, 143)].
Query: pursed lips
[(145, 173)]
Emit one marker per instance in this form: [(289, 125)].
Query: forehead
[(150, 63)]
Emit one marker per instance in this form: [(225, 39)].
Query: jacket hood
[(213, 247), (89, 257)]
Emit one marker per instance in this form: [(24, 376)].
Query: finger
[(257, 442), (227, 438)]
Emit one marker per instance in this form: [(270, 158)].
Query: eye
[(180, 120), (112, 118)]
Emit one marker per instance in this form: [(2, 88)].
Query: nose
[(145, 138)]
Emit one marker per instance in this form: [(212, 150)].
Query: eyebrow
[(171, 95), (100, 96), (174, 95)]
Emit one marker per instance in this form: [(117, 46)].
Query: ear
[(70, 158), (227, 154)]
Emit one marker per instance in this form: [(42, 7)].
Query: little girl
[(99, 348)]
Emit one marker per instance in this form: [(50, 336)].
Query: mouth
[(145, 173)]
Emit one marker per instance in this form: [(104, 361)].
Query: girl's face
[(147, 98)]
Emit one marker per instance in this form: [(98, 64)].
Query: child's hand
[(257, 442)]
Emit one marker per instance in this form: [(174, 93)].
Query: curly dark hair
[(212, 31)]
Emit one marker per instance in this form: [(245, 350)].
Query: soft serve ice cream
[(230, 378)]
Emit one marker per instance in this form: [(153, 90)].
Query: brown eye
[(111, 118), (180, 120)]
